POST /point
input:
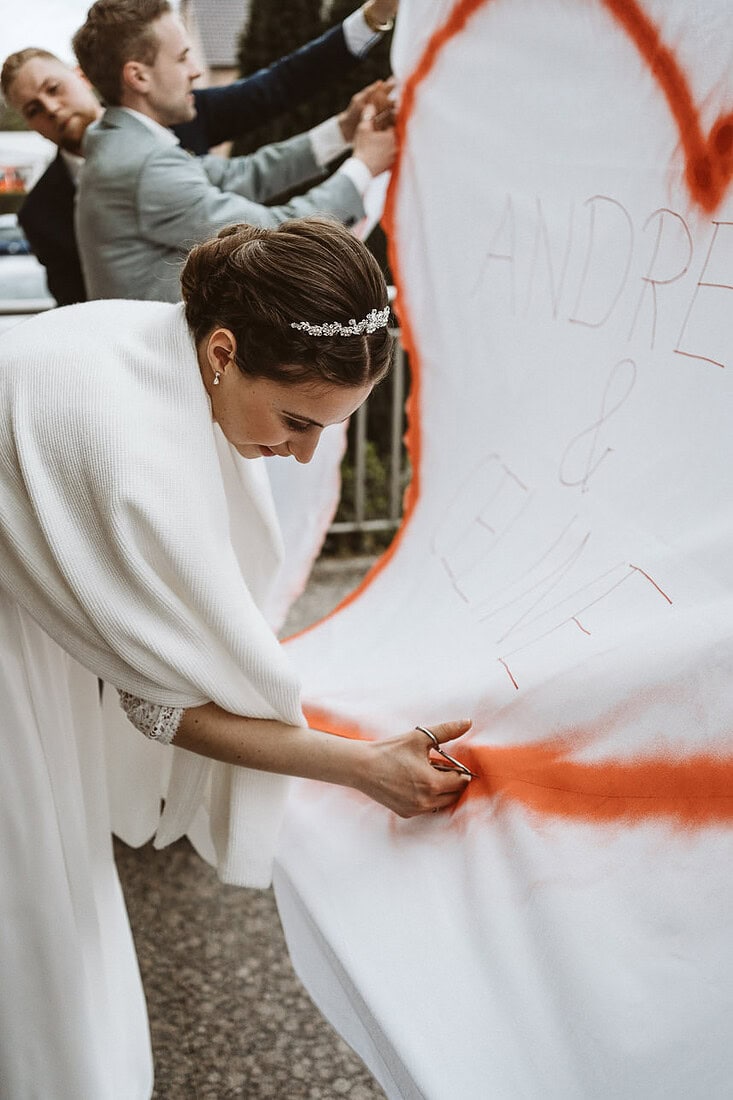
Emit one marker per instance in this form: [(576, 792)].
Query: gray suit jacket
[(142, 204)]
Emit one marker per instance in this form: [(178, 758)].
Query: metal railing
[(393, 454)]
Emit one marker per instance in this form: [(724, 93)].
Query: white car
[(23, 289)]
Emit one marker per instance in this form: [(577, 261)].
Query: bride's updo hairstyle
[(258, 282)]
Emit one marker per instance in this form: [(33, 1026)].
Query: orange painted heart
[(708, 161)]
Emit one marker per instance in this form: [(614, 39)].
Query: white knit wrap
[(144, 545)]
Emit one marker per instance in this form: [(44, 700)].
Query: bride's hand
[(400, 776)]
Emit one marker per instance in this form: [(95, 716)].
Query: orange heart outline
[(708, 161)]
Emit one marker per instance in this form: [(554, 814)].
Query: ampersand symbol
[(583, 448)]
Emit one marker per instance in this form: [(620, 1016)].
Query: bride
[(137, 546)]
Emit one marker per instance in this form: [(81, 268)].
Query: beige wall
[(214, 77)]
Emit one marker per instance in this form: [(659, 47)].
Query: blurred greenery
[(378, 463), (10, 119), (268, 36), (377, 502)]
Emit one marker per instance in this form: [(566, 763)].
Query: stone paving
[(228, 1016)]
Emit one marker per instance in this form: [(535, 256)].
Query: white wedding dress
[(134, 537), (73, 1024)]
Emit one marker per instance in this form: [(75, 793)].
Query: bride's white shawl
[(144, 545)]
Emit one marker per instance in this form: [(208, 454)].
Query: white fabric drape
[(561, 226)]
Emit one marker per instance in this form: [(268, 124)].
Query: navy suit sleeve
[(47, 219), (228, 112)]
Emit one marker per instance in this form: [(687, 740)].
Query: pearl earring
[(217, 378)]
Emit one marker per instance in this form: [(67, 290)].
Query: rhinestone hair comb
[(375, 319)]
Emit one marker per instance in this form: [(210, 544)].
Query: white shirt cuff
[(358, 173), (359, 37), (327, 141)]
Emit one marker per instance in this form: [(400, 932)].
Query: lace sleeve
[(156, 722)]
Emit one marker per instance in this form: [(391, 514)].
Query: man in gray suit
[(143, 202)]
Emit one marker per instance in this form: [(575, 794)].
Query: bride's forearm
[(271, 746), (395, 772)]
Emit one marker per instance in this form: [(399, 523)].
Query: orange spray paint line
[(691, 791)]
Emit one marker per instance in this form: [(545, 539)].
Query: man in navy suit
[(58, 102)]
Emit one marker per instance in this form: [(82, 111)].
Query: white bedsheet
[(562, 231)]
